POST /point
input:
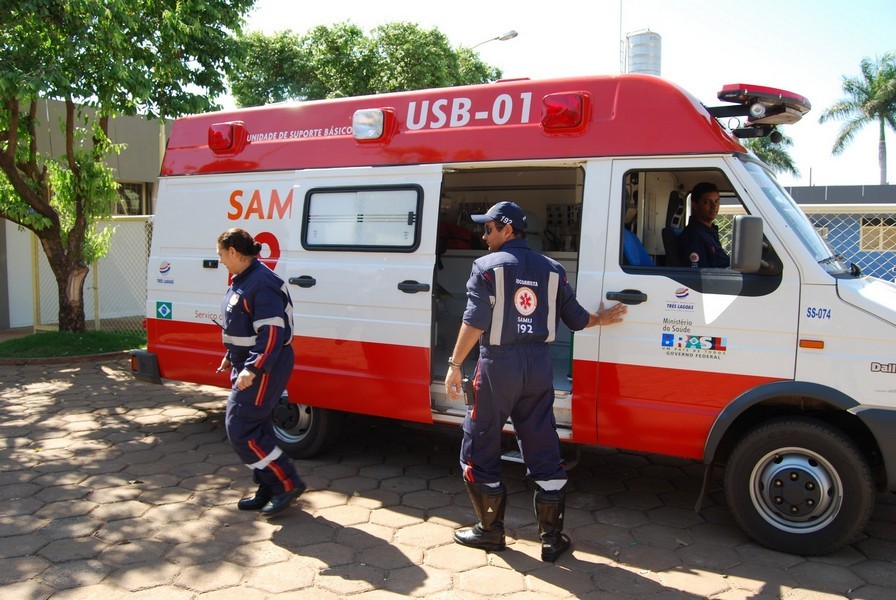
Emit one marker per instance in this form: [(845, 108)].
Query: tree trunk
[(70, 277), (882, 153)]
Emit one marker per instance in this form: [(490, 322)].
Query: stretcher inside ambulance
[(779, 368)]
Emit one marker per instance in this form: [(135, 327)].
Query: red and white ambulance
[(782, 368)]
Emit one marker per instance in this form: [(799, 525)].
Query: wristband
[(451, 363)]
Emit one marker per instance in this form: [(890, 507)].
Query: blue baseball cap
[(508, 213)]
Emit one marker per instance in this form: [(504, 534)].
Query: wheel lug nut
[(779, 500), (794, 476)]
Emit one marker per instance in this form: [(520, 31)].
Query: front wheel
[(799, 485), (304, 431)]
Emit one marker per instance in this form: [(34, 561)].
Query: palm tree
[(774, 154), (869, 99)]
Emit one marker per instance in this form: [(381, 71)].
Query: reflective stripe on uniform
[(242, 341), (273, 321), (264, 462), (497, 327), (553, 286)]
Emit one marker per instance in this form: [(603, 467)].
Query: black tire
[(799, 485), (304, 431)]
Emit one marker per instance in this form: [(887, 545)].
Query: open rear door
[(360, 270)]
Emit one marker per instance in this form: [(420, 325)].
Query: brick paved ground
[(110, 488)]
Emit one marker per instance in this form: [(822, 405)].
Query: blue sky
[(805, 46)]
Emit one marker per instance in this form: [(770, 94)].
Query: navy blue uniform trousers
[(250, 429), (514, 381)]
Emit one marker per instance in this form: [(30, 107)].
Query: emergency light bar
[(764, 108)]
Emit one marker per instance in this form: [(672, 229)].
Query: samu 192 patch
[(164, 310)]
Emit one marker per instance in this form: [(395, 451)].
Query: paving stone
[(281, 577), (425, 535), (551, 582), (63, 550), (21, 545), (22, 568), (76, 573), (454, 557), (138, 499), (345, 516), (258, 554), (350, 579), (147, 575), (206, 578), (813, 574), (703, 584), (418, 581), (491, 580)]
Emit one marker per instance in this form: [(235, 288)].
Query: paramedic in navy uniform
[(515, 299), (698, 244), (257, 336)]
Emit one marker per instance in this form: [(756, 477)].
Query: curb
[(60, 360)]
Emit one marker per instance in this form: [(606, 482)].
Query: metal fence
[(115, 289), (866, 238)]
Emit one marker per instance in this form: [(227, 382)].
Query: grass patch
[(56, 344)]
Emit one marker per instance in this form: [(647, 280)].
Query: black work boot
[(262, 496), (489, 503), (549, 507)]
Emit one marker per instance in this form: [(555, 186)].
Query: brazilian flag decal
[(163, 310)]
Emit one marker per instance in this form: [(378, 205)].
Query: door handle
[(305, 281), (409, 286), (628, 296)]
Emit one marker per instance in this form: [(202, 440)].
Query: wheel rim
[(292, 422), (796, 490)]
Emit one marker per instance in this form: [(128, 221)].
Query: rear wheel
[(799, 485), (304, 431)]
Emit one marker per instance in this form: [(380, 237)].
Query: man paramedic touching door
[(515, 299)]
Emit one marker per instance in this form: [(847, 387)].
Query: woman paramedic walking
[(257, 334)]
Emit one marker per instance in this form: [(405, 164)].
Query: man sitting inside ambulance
[(698, 244)]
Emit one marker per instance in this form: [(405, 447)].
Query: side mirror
[(746, 244)]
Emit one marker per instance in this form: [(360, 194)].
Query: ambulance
[(780, 368)]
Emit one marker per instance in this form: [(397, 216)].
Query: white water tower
[(643, 50)]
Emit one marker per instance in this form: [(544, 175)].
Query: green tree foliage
[(870, 98), (775, 155), (100, 58), (340, 60)]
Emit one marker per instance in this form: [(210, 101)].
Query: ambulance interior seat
[(633, 251), (674, 225)]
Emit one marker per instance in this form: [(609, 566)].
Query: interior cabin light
[(564, 112)]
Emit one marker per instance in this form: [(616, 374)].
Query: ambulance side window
[(363, 219), (656, 209)]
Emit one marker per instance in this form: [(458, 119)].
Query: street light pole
[(501, 38)]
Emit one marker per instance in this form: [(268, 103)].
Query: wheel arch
[(876, 441)]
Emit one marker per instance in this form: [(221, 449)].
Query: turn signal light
[(564, 112)]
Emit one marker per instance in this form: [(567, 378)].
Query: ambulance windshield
[(796, 219)]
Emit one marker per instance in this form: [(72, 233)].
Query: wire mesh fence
[(115, 289), (864, 238)]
